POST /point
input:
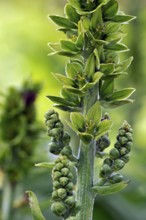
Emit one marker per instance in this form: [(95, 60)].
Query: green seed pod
[(108, 161), (58, 166), (116, 178), (114, 154), (56, 184), (70, 201), (105, 171), (65, 171), (125, 158), (62, 193), (54, 148), (59, 208), (55, 195), (118, 164), (64, 181), (56, 175), (67, 151), (122, 140)]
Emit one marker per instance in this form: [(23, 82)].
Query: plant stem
[(85, 181), (7, 198)]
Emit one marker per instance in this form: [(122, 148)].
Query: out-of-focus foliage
[(25, 31)]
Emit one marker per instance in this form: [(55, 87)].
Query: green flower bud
[(129, 145), (122, 132), (129, 136), (118, 164), (66, 138), (114, 154), (59, 125), (65, 171), (116, 178), (54, 148), (65, 161), (70, 201), (104, 142), (69, 187), (105, 170), (51, 123), (70, 175), (108, 161), (54, 116), (64, 181), (125, 158), (49, 113), (55, 132), (55, 195), (122, 140), (62, 193), (58, 166), (57, 160), (56, 184), (67, 151), (56, 175), (123, 151), (117, 145), (59, 208)]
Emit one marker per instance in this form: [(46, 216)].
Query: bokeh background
[(25, 31)]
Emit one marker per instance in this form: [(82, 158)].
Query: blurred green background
[(25, 31)]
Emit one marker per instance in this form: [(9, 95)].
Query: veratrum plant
[(94, 34)]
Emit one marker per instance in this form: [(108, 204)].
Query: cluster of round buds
[(118, 156), (59, 138), (63, 195)]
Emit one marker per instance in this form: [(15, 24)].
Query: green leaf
[(71, 126), (123, 18), (97, 76), (115, 36), (80, 40), (107, 88), (117, 47), (115, 104), (71, 13), (102, 128), (63, 22), (111, 27), (110, 9), (90, 66), (75, 3), (78, 121), (75, 91), (95, 19), (63, 79), (67, 53), (85, 23), (123, 65), (45, 165), (69, 96), (86, 138), (73, 69), (107, 190), (54, 46), (34, 205), (68, 45), (94, 113), (121, 94), (60, 100), (67, 108), (107, 68), (97, 58)]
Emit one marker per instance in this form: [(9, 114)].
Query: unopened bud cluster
[(118, 156), (63, 195)]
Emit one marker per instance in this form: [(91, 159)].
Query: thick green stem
[(85, 181), (7, 198)]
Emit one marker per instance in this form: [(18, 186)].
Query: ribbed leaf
[(123, 65), (34, 205), (107, 68), (71, 13), (111, 27), (123, 18), (63, 79), (115, 104), (117, 47), (121, 94), (69, 45), (115, 36), (103, 128), (107, 88), (78, 121), (110, 9), (63, 22), (94, 113), (113, 188), (60, 100)]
